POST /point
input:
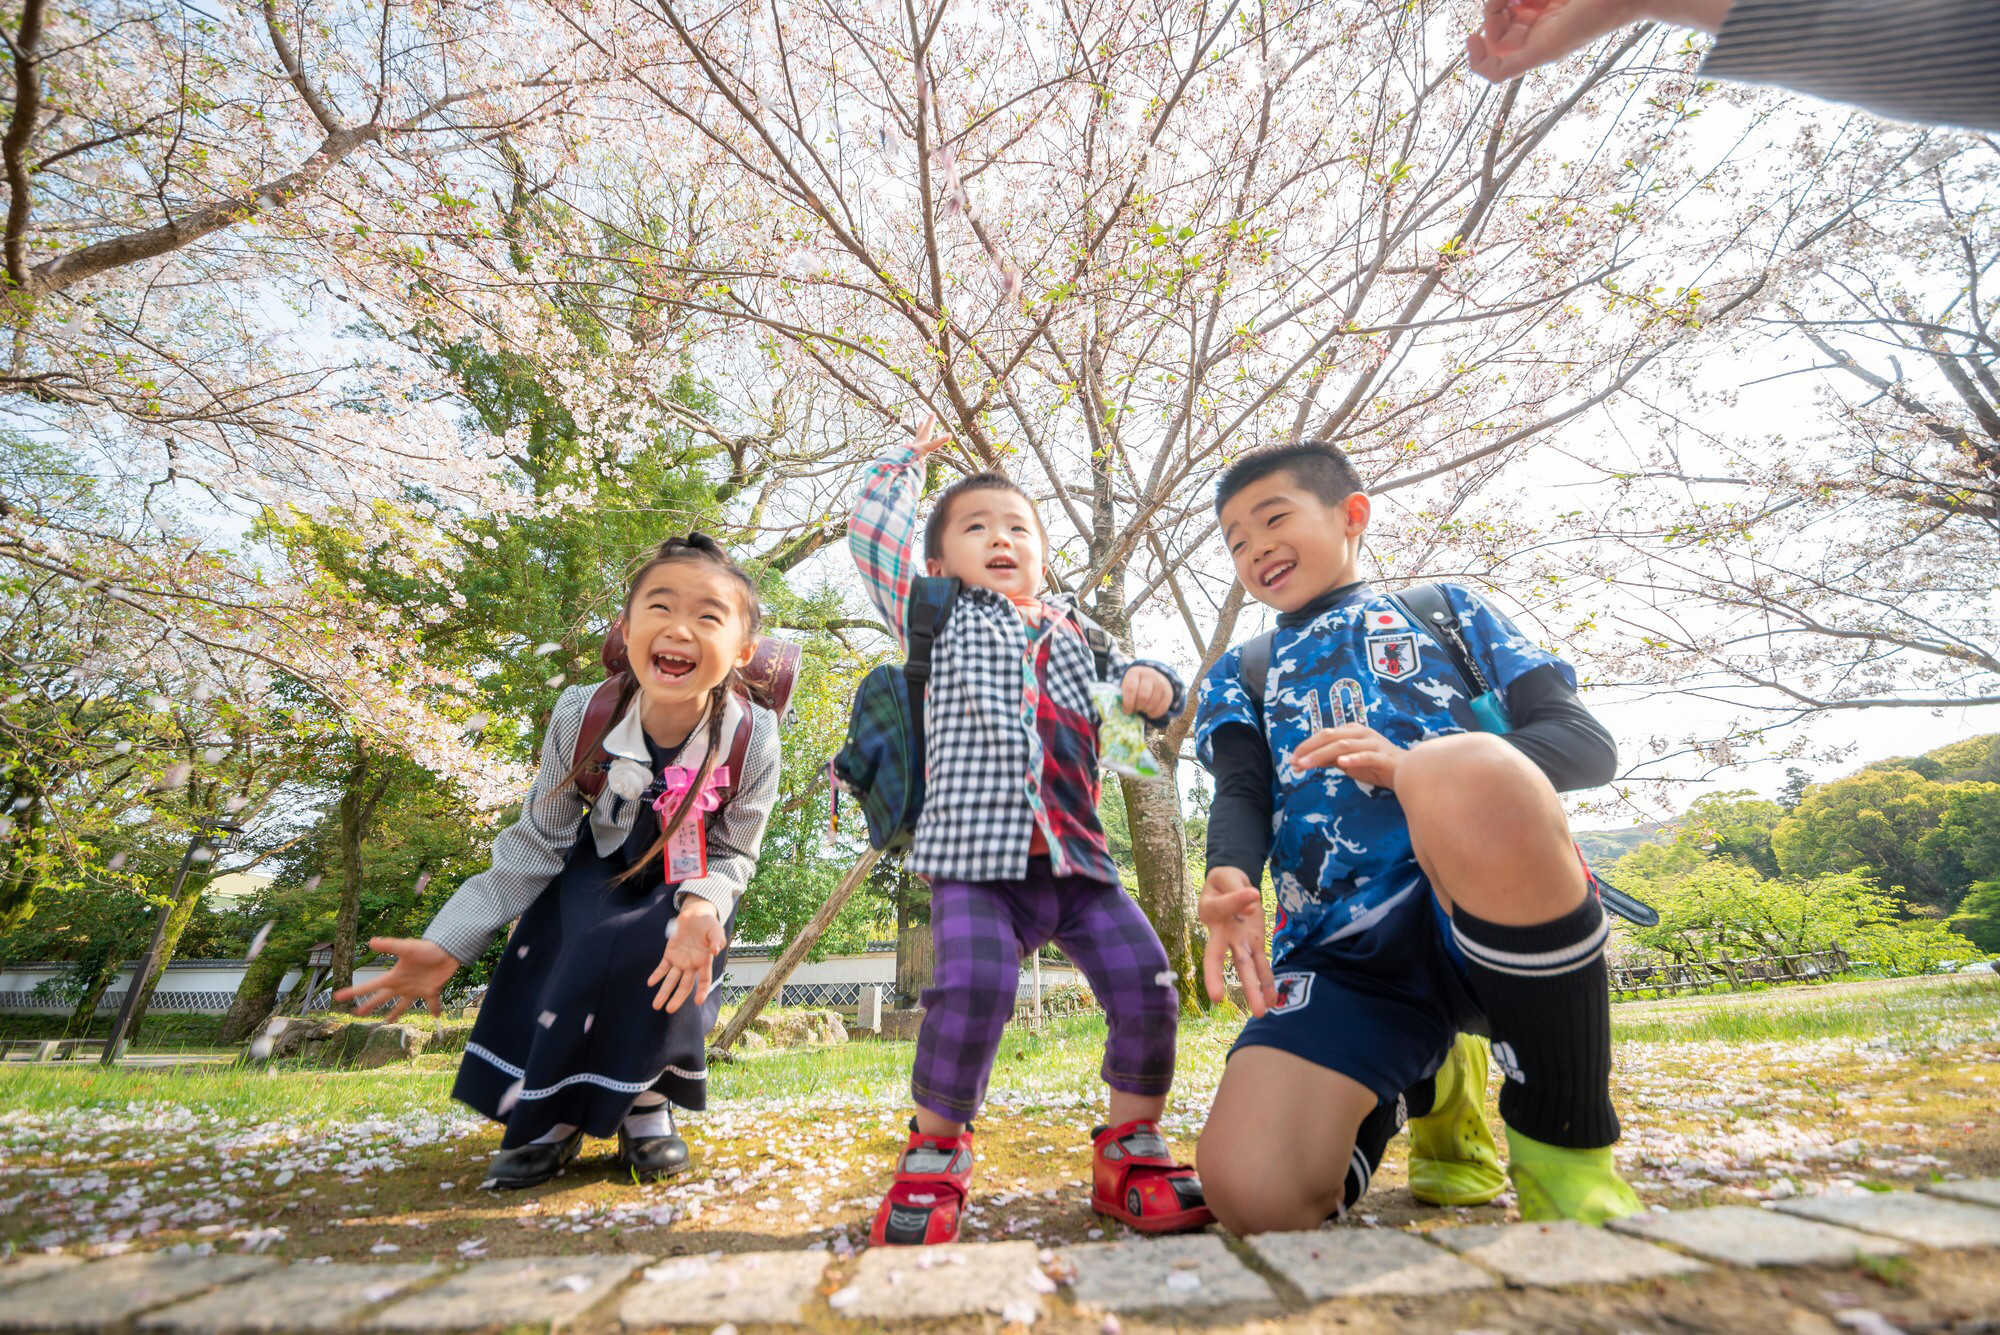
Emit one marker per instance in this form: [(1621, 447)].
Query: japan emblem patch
[(1394, 656)]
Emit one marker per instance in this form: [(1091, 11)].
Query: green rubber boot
[(1453, 1160), (1556, 1183)]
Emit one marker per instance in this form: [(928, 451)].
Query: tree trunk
[(21, 872), (100, 983), (357, 807), (256, 996), (1159, 851), (177, 921)]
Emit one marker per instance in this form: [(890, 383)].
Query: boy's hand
[(926, 443), (422, 969), (696, 938), (1356, 750), (1147, 693), (1232, 910)]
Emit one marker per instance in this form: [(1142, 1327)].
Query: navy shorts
[(1382, 1006)]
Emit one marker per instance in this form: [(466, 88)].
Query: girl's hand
[(693, 944), (1232, 910), (1147, 693), (422, 969), (1356, 750)]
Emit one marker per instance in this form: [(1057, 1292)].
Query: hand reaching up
[(926, 443), (1515, 36), (422, 969)]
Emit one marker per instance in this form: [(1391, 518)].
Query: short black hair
[(1319, 466), (941, 509)]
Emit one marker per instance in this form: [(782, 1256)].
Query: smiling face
[(685, 628), (992, 539), (1290, 546)]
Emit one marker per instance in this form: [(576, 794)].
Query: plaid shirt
[(1010, 743)]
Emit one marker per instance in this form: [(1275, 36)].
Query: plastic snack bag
[(1121, 741)]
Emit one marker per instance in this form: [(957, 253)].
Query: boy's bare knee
[(1252, 1191), (1470, 780)]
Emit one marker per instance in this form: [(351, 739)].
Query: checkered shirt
[(1010, 742)]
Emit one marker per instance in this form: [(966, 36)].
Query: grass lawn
[(1724, 1099)]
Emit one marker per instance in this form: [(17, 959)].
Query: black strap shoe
[(650, 1158), (532, 1165)]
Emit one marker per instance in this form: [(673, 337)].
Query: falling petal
[(176, 775), (1164, 978), (123, 748), (510, 1097), (423, 881), (202, 694), (547, 647), (521, 954), (557, 680), (117, 862), (203, 854), (547, 1018), (157, 703), (477, 723), (589, 1020), (257, 941), (212, 755), (260, 1048), (1010, 285), (6, 826), (235, 804), (313, 884)]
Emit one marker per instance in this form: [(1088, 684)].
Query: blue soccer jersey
[(1340, 850)]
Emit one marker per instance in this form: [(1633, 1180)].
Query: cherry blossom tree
[(1114, 245)]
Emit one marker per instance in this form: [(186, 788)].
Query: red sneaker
[(933, 1177), (1138, 1182)]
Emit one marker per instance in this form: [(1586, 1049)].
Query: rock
[(106, 1295), (545, 1292), (302, 1296), (1928, 1221), (1978, 1191), (1365, 1263), (1147, 1274), (367, 1046), (1740, 1235), (902, 1025), (800, 1028), (952, 1280), (1545, 1255), (759, 1288), (295, 1036)]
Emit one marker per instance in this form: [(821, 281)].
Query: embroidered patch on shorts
[(1294, 991), (1393, 656)]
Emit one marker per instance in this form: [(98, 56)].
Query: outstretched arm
[(1515, 36), (882, 531)]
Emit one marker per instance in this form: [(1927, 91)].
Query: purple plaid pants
[(981, 931)]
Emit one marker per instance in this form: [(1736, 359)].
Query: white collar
[(609, 823)]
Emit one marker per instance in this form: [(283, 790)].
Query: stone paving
[(177, 1293)]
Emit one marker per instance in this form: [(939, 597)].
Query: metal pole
[(131, 1001)]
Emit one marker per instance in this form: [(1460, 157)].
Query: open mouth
[(672, 666), (1001, 563), (1275, 575)]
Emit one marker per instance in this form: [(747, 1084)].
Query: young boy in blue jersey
[(1427, 886)]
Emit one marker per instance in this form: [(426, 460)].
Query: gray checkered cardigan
[(530, 853)]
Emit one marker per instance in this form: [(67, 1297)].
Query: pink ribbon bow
[(675, 780)]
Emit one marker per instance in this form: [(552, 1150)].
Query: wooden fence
[(1704, 975)]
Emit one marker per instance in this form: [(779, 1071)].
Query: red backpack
[(767, 680)]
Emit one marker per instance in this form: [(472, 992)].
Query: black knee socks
[(1546, 994)]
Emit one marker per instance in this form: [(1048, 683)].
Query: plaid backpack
[(882, 761)]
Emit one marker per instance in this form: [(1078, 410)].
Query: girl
[(643, 885)]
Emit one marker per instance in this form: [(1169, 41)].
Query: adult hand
[(1356, 750), (1518, 35), (691, 947), (1147, 692), (1232, 910), (422, 969)]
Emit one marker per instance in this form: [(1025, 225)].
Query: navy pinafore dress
[(568, 1033)]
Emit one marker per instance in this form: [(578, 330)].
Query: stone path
[(164, 1293)]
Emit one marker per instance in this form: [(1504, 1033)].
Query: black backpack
[(1426, 606), (882, 760)]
